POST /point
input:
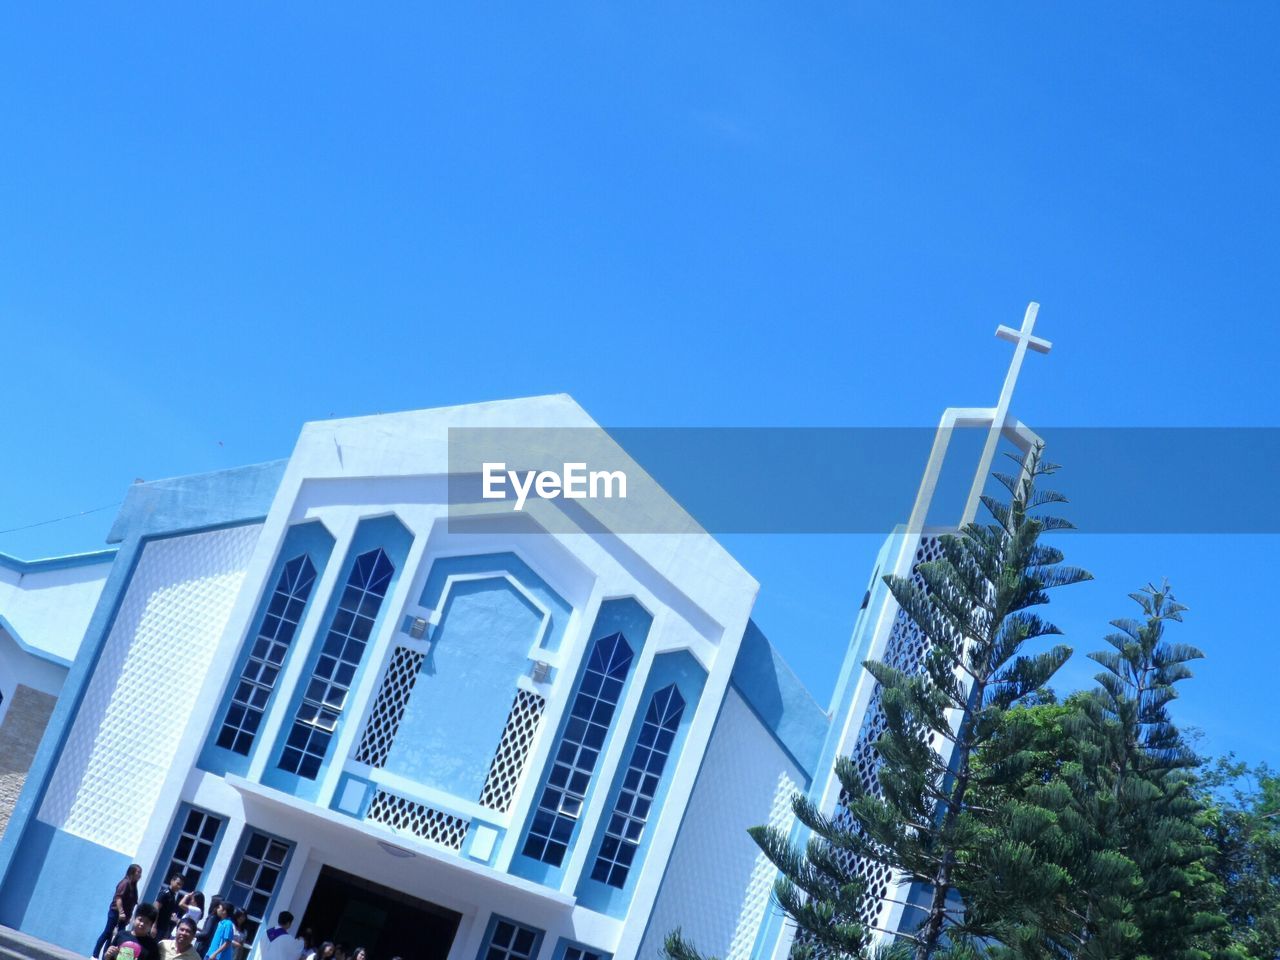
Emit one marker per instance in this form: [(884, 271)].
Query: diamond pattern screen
[(388, 709), (763, 874), (906, 650), (258, 679), (639, 787), (578, 751), (179, 598), (513, 751), (326, 693), (426, 823)]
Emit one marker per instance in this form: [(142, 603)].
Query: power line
[(70, 516)]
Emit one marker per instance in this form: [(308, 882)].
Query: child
[(222, 945), (138, 934)]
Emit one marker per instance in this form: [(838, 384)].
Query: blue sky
[(216, 224)]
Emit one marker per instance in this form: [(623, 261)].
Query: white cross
[(1028, 324), (1021, 339)]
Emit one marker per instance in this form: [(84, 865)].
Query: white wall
[(717, 884), (50, 609), (113, 767)]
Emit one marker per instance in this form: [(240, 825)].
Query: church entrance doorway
[(388, 923)]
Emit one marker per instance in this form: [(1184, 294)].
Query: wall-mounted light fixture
[(418, 628), (541, 671), (395, 851)]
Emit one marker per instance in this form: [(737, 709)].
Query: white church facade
[(307, 685), (297, 685)]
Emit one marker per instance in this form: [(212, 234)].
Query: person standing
[(281, 944), (222, 944), (182, 946), (238, 934), (122, 903), (167, 909)]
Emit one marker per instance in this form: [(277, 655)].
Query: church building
[(348, 685)]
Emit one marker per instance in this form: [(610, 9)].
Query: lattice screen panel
[(388, 709), (513, 751), (906, 651), (426, 823)]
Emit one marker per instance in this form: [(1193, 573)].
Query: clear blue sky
[(216, 224)]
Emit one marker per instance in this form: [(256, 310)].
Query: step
[(16, 945)]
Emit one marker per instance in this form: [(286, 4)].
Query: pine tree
[(975, 606), (1244, 829), (1147, 884), (1112, 777)]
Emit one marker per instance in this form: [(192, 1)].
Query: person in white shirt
[(279, 943)]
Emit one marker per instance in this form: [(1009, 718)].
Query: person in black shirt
[(138, 932), (167, 911)]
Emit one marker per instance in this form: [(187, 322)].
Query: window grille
[(639, 788), (266, 658), (197, 833), (256, 876), (388, 709), (512, 941), (513, 751), (578, 751), (426, 823), (906, 650), (327, 689)]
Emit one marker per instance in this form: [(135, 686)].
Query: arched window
[(639, 787), (578, 751), (266, 657), (329, 684)]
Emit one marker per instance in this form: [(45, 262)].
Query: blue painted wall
[(624, 615), (393, 537), (60, 887), (316, 542), (776, 695), (446, 567), (682, 669), (150, 511), (455, 717)]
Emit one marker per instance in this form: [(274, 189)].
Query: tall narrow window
[(197, 833), (266, 658), (578, 751), (639, 787), (327, 689), (256, 876)]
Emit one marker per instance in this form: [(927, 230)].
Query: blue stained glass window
[(639, 787), (578, 751), (266, 657), (330, 682)]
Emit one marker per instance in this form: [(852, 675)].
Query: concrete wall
[(26, 716), (717, 883)]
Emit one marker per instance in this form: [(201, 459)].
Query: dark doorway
[(388, 923)]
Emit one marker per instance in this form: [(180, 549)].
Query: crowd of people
[(174, 926)]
